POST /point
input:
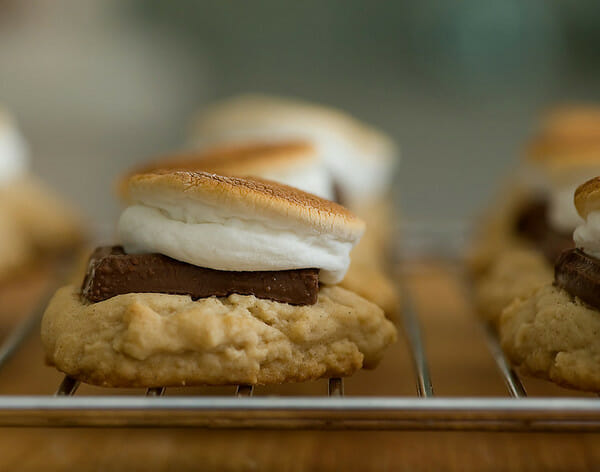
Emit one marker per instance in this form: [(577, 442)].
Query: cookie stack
[(218, 280), (553, 331)]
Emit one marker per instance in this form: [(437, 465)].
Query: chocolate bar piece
[(579, 274), (111, 272)]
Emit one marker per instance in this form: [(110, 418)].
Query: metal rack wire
[(425, 411)]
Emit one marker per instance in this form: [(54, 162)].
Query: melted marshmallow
[(218, 238), (13, 151), (587, 235)]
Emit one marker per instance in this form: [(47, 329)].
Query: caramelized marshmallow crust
[(229, 223), (587, 202), (293, 163)]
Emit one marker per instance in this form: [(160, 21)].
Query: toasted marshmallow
[(587, 197), (13, 150), (293, 163), (552, 150), (235, 224), (563, 161), (573, 122), (360, 158), (564, 178), (587, 202)]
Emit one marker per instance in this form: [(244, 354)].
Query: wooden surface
[(460, 365)]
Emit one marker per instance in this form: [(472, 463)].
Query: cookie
[(553, 335), (496, 230), (552, 332), (374, 285), (15, 251), (46, 221), (515, 273), (219, 280), (146, 340)]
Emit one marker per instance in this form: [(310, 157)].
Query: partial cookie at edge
[(552, 335)]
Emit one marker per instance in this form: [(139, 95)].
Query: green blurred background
[(100, 85)]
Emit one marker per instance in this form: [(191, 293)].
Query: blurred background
[(99, 85)]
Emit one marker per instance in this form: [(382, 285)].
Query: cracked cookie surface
[(146, 340), (554, 335)]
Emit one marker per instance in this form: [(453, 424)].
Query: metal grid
[(425, 411)]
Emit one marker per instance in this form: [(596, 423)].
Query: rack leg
[(155, 392), (336, 387), (67, 387), (244, 391)]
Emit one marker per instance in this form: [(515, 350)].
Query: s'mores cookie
[(219, 280), (360, 158), (553, 332), (566, 133), (522, 252), (33, 220)]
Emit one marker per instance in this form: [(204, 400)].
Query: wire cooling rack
[(423, 411)]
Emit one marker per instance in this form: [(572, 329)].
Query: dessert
[(250, 296), (360, 159), (518, 249), (298, 164), (566, 133), (552, 332), (33, 220)]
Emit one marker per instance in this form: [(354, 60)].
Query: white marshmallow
[(368, 170), (562, 183), (219, 238), (562, 212), (352, 165), (311, 177), (332, 149), (359, 158), (13, 151), (587, 235)]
